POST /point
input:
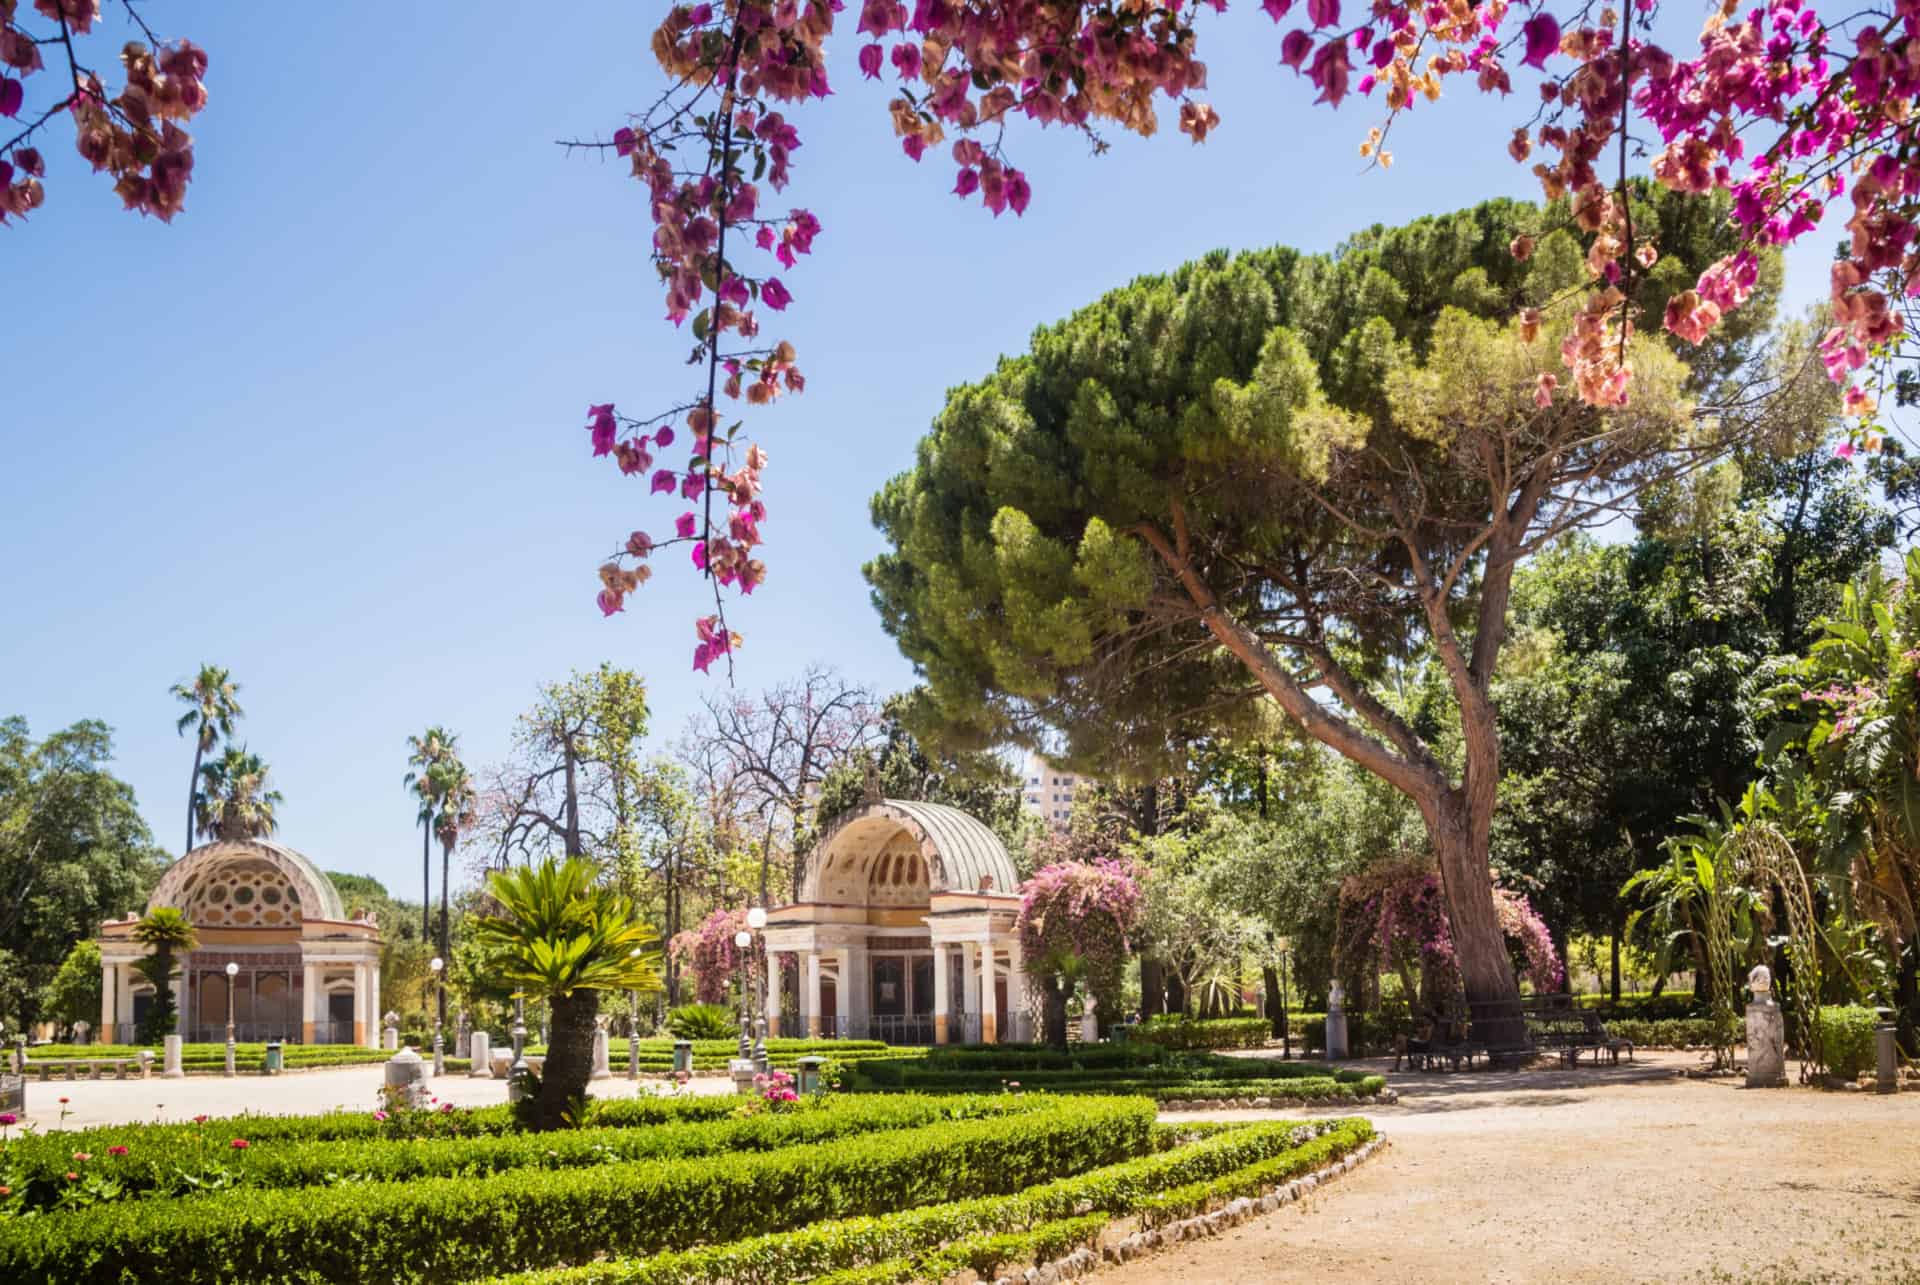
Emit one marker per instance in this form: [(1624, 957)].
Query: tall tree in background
[(424, 753), (452, 786), (1278, 473), (774, 750), (235, 801), (73, 851), (167, 934), (214, 700)]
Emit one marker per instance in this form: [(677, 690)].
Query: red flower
[(241, 1144), (116, 1151)]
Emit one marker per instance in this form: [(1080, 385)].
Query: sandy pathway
[(1597, 1175)]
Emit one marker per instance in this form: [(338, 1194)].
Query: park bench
[(1448, 1041), (94, 1065), (1570, 1032)]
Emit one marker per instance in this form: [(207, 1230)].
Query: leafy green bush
[(162, 1161), (1178, 1032), (1668, 1033), (905, 1245), (450, 1228), (1126, 1067), (1644, 1005), (703, 1022), (1846, 1039)]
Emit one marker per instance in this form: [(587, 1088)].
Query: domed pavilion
[(306, 973), (903, 931)]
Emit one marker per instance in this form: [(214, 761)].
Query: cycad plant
[(168, 934), (561, 936), (234, 801)]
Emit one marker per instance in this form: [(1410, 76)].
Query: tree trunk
[(426, 880), (1906, 993), (1053, 1010), (569, 1062), (1466, 876), (193, 789), (1153, 986), (1177, 998), (1276, 1006), (446, 933), (1619, 929)]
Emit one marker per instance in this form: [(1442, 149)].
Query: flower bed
[(1191, 1172), (1128, 1067), (365, 1227)]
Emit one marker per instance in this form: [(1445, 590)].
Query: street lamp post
[(633, 1027), (233, 971), (757, 922), (438, 965), (744, 939), (1286, 1026)]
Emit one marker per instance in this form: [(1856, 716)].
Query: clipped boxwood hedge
[(909, 1241), (1126, 1067), (1212, 1033), (161, 1162), (435, 1229)]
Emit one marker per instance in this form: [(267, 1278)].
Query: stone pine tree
[(1275, 474)]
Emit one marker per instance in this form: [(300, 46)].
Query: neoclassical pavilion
[(306, 972), (903, 931)]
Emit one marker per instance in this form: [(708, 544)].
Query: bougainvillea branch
[(135, 135), (709, 953), (1782, 108)]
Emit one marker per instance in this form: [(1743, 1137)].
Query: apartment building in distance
[(1048, 791)]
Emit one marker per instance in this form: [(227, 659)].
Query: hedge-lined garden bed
[(1187, 1171), (656, 1055), (1128, 1067), (364, 1227), (1204, 1033)]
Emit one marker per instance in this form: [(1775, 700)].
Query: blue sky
[(326, 429)]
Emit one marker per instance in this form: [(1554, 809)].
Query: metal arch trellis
[(1760, 853)]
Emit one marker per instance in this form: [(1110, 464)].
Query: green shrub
[(1846, 1039), (898, 1246), (163, 1161), (703, 1022), (1178, 1032), (1667, 1033), (450, 1228), (1127, 1067)]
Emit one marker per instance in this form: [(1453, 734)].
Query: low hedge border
[(865, 1244), (1204, 1033), (158, 1164), (438, 1229)]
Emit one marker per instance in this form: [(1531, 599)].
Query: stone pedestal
[(1766, 1045), (602, 1069), (1336, 1036), (742, 1071), (406, 1079), (171, 1068), (390, 1033), (1090, 1023), (480, 1046)]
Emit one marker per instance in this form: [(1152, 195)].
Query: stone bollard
[(1336, 1024), (390, 1035), (406, 1079), (171, 1068), (602, 1068), (1886, 1059), (480, 1048), (1766, 1034)]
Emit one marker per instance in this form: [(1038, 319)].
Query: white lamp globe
[(436, 963), (757, 918), (233, 970), (743, 939)]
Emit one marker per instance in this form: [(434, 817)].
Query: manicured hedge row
[(1349, 1085), (449, 1228), (1668, 1033), (982, 1254), (1196, 1197), (850, 1245), (1215, 1033), (158, 1163)]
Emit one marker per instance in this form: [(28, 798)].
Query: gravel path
[(1602, 1174)]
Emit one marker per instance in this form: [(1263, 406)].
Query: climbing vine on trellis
[(1761, 855)]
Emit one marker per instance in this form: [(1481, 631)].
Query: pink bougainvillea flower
[(623, 141), (1294, 48), (906, 60), (1276, 9), (1323, 13), (1542, 32), (966, 184), (1844, 450), (691, 486), (610, 602), (664, 480), (871, 58), (664, 438), (12, 94), (601, 424), (684, 526), (775, 295)]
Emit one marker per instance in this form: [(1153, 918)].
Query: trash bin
[(683, 1055), (808, 1079), (273, 1063)]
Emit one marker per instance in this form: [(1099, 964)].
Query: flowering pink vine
[(1081, 914), (709, 953)]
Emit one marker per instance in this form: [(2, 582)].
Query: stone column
[(362, 1015), (844, 988), (941, 985), (309, 1001), (773, 993), (109, 992), (970, 977), (123, 992), (989, 1008), (812, 1005), (171, 1069), (373, 1002), (1016, 991), (480, 1050)]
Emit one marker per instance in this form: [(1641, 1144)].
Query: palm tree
[(168, 934), (214, 698), (453, 785), (423, 752), (234, 801), (562, 936)]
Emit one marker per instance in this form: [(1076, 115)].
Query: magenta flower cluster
[(1081, 914), (709, 954), (1409, 916)]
